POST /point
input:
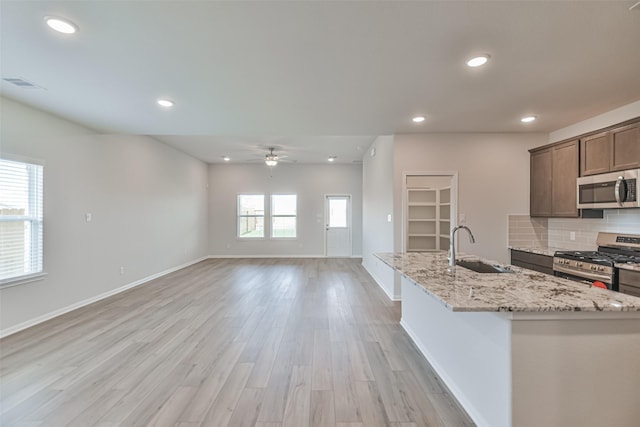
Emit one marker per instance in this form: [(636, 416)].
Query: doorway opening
[(429, 210)]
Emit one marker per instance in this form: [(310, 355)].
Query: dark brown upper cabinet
[(554, 171), (596, 154), (540, 195), (613, 150)]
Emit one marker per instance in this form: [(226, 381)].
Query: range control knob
[(579, 264), (600, 268)]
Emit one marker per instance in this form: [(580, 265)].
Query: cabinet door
[(564, 166), (540, 185), (625, 147), (596, 154)]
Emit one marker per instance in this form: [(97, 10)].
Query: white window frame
[(34, 248), (274, 216), (239, 215)]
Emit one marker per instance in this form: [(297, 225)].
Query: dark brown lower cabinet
[(629, 282), (536, 262)]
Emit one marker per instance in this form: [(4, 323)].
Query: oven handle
[(587, 275), (620, 184)]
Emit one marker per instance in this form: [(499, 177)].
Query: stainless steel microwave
[(609, 190)]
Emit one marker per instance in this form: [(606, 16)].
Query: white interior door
[(337, 219)]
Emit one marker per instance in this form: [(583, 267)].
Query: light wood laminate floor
[(264, 343)]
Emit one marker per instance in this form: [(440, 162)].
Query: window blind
[(21, 215), (284, 214)]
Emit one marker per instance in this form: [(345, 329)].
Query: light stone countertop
[(461, 289)]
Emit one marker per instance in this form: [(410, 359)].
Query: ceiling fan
[(272, 159)]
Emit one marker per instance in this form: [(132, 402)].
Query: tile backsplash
[(556, 232), (528, 232)]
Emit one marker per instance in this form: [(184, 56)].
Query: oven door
[(584, 280)]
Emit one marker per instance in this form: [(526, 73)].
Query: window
[(283, 215), (20, 220), (338, 212), (250, 216)]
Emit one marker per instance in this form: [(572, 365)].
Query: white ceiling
[(249, 75)]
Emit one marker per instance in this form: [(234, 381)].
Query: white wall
[(493, 181), (148, 203), (310, 182), (610, 118), (377, 205), (377, 199)]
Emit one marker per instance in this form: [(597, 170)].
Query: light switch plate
[(88, 217)]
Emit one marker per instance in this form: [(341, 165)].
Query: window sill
[(21, 280)]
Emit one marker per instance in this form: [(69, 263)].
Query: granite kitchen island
[(524, 348)]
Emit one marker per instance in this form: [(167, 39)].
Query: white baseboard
[(473, 413), (391, 296), (387, 293), (32, 322), (241, 256)]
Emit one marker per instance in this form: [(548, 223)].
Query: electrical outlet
[(572, 235), (88, 217), (121, 270), (389, 218)]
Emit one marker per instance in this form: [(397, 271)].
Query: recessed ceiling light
[(226, 159), (528, 119), (478, 61), (61, 25), (332, 158), (418, 119), (166, 103)]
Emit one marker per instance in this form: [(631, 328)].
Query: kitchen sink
[(482, 267)]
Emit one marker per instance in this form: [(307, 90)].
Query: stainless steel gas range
[(600, 265)]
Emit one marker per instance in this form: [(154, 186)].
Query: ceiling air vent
[(22, 83)]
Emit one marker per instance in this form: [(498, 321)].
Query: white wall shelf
[(428, 219)]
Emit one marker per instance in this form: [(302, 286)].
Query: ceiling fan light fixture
[(61, 25), (271, 159)]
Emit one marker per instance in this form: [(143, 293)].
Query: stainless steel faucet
[(452, 242)]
